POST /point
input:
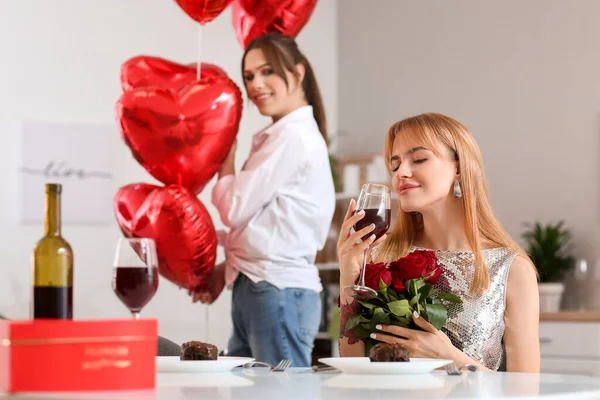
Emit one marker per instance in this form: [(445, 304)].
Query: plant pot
[(550, 296)]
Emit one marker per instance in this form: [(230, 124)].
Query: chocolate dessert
[(384, 352), (196, 350)]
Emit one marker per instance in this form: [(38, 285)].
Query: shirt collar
[(300, 113)]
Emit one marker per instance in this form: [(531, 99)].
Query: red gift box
[(64, 355)]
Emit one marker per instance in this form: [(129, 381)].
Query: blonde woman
[(438, 176)]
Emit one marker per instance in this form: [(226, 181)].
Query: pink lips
[(404, 188)]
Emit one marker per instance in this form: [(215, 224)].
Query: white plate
[(221, 364), (362, 365)]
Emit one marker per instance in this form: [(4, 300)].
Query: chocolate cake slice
[(385, 352), (196, 350)]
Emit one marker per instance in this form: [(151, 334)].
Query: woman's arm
[(522, 318)]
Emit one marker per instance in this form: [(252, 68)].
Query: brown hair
[(481, 227), (281, 53)]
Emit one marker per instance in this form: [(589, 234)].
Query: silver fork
[(283, 365), (452, 369), (280, 367)]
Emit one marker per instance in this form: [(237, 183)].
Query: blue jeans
[(271, 324)]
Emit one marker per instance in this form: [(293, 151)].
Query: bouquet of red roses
[(403, 286)]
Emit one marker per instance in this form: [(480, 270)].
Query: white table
[(305, 384)]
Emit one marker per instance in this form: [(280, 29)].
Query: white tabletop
[(305, 384)]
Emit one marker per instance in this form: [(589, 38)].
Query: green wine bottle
[(52, 261)]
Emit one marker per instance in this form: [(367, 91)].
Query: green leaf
[(399, 307), (392, 295), (380, 317), (401, 322), (415, 299), (436, 315), (352, 322), (417, 284), (425, 290), (450, 297), (383, 290), (363, 319), (392, 292), (367, 305), (382, 284), (362, 332)]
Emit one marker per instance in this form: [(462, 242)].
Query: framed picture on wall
[(76, 155)]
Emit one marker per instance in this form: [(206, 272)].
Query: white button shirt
[(279, 208)]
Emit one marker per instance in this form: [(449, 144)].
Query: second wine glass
[(135, 273), (374, 200)]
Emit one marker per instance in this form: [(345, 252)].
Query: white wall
[(60, 62), (523, 76)]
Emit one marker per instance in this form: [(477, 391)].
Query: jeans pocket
[(308, 314)]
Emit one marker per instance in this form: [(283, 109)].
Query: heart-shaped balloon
[(203, 11), (186, 241), (148, 71), (181, 138), (252, 18)]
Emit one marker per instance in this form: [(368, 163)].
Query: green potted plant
[(549, 247)]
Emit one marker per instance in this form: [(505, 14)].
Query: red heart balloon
[(186, 241), (203, 11), (148, 71), (181, 138), (252, 18)]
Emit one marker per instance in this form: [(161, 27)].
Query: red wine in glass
[(378, 216), (374, 200), (135, 286), (135, 273)]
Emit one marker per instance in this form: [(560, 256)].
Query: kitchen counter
[(571, 316)]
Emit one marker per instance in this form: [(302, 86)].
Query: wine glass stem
[(136, 315), (206, 325), (362, 271)]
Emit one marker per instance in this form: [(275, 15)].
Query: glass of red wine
[(135, 273), (374, 200)]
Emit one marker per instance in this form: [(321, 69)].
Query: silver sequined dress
[(477, 325)]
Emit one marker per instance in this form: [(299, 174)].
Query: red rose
[(347, 311), (398, 284), (435, 275), (418, 264), (375, 272)]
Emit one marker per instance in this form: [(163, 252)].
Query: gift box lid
[(32, 332)]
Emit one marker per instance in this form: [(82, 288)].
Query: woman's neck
[(443, 227)]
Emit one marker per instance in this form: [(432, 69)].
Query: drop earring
[(457, 190)]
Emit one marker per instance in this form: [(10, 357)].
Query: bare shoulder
[(522, 277)]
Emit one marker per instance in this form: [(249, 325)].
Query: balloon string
[(199, 60)]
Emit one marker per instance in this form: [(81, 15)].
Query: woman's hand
[(215, 286), (228, 166), (429, 343), (351, 248)]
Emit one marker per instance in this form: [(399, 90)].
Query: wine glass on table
[(374, 200), (135, 273)]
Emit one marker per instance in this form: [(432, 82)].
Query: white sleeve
[(238, 198)]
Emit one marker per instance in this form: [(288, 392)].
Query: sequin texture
[(477, 325)]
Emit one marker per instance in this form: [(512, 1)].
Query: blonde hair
[(436, 131)]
